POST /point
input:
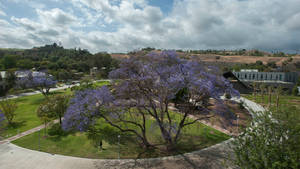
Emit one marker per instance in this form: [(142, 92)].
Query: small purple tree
[(40, 82), (145, 87)]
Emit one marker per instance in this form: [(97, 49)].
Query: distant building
[(285, 79), (277, 77), (94, 71), (21, 74)]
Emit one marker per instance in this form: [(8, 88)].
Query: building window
[(245, 76), (261, 77), (280, 77)]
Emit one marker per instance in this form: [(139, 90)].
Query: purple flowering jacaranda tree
[(144, 89), (39, 81)]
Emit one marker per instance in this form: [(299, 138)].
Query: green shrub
[(272, 141), (56, 130)]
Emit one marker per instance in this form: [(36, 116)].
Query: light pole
[(39, 140), (119, 145), (237, 123)]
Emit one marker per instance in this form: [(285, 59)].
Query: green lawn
[(196, 136), (98, 84), (26, 112), (26, 117), (284, 100)]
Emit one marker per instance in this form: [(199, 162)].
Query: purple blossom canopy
[(39, 80), (150, 81), (84, 108)]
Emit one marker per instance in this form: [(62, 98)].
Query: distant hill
[(228, 60), (56, 59)]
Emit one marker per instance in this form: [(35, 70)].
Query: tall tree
[(9, 61), (42, 82), (144, 89), (46, 114), (58, 105), (262, 88)]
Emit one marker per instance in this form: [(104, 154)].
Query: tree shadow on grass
[(15, 125), (110, 135)]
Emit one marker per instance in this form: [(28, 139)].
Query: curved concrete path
[(15, 157)]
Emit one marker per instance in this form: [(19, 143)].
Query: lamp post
[(119, 146), (237, 122), (39, 140)]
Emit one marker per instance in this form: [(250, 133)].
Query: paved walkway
[(215, 157), (25, 133), (14, 157)]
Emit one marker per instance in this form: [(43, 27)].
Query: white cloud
[(124, 25), (2, 13), (56, 17)]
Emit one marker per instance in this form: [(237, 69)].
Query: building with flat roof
[(285, 79), (278, 77)]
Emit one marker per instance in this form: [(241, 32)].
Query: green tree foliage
[(55, 58), (272, 64), (272, 141), (25, 64), (84, 84), (257, 65), (10, 78), (279, 54), (256, 53), (45, 113), (295, 91), (8, 108), (9, 61), (58, 105)]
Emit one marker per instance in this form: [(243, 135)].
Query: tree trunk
[(166, 136), (45, 131), (60, 121)]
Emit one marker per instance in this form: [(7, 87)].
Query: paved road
[(215, 157), (38, 92)]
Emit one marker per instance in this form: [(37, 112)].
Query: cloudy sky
[(125, 25)]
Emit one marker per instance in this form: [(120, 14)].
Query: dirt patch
[(244, 59)]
